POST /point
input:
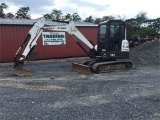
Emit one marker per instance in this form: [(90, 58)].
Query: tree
[(157, 24), (145, 31), (68, 16), (9, 15), (130, 30), (132, 22), (23, 13), (136, 22), (2, 7), (97, 20), (76, 17), (106, 18), (140, 18), (47, 16), (89, 19), (56, 14)]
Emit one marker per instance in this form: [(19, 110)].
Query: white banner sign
[(53, 38)]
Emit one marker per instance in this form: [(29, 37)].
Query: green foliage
[(76, 17), (130, 30), (56, 14), (47, 16), (23, 13), (68, 16), (141, 16), (2, 7), (10, 15), (89, 19), (106, 18), (145, 31), (97, 20), (153, 25)]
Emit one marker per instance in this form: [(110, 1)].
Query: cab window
[(102, 32)]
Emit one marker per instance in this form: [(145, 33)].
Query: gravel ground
[(146, 54), (54, 92)]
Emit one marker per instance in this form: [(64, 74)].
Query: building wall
[(11, 37)]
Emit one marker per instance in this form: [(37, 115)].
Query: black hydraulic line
[(91, 42), (25, 40), (92, 52), (31, 50), (83, 48), (16, 61), (38, 31)]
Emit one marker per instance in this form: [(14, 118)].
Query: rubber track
[(111, 66)]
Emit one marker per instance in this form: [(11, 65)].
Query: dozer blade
[(84, 69), (111, 66), (20, 71)]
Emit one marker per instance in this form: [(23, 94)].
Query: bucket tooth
[(83, 69)]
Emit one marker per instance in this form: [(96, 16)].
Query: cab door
[(116, 33)]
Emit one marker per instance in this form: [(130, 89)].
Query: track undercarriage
[(97, 67)]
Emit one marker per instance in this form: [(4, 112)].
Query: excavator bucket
[(20, 71), (83, 69)]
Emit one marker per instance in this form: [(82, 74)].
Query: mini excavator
[(105, 56)]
